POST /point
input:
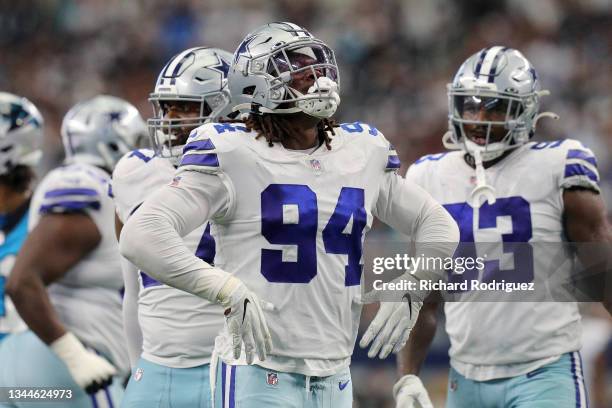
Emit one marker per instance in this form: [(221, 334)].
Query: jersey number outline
[(289, 216), (518, 209)]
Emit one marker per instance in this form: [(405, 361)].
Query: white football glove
[(408, 390), (245, 320), (391, 326), (88, 370)]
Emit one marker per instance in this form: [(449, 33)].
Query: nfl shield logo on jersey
[(316, 165), (138, 374), (272, 379)]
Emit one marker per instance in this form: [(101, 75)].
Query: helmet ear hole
[(249, 90), (113, 146)]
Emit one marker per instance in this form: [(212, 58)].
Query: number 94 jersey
[(496, 340), (293, 230)]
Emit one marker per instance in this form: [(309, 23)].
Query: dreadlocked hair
[(275, 128)]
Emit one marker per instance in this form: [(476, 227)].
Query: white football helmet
[(21, 132), (498, 79), (194, 75), (101, 130), (267, 63)]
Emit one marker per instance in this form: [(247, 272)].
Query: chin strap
[(551, 115), (482, 189)]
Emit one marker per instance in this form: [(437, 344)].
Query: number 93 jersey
[(293, 229), (496, 340)]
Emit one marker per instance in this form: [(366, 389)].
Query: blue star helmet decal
[(115, 116), (223, 67), (244, 46)]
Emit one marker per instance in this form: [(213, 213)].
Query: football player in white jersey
[(171, 355), (21, 137), (76, 340), (507, 354), (290, 197)]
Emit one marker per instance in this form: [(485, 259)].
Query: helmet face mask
[(21, 134), (191, 90), (494, 109), (279, 68)]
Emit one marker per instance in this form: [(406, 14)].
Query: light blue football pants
[(156, 386), (25, 361), (559, 384), (256, 387)]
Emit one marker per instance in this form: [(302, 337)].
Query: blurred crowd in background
[(395, 57)]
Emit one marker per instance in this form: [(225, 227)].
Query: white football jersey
[(88, 297), (292, 231), (496, 340), (178, 328)]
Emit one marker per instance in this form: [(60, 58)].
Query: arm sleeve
[(408, 208), (151, 238), (131, 327)]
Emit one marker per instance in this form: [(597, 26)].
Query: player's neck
[(11, 200), (469, 159), (304, 133)]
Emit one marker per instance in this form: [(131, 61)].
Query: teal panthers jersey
[(12, 236)]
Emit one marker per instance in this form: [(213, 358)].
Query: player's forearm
[(150, 239), (411, 357), (34, 306)]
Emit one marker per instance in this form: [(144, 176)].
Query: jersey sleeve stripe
[(393, 163), (62, 192), (577, 169), (199, 145), (582, 155), (207, 159), (68, 207)]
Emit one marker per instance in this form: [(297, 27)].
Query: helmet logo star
[(115, 116), (223, 67)]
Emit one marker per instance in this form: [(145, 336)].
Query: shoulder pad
[(574, 163), (73, 188), (201, 152), (359, 132), (132, 161)]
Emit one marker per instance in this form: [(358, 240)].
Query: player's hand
[(408, 390), (88, 370), (391, 326), (246, 323)]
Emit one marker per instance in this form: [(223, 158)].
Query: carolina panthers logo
[(15, 116)]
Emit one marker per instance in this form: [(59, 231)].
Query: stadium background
[(395, 57)]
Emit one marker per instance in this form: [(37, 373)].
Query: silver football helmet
[(498, 80), (271, 63), (100, 130), (21, 132), (194, 75)]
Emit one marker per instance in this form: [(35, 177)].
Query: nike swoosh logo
[(342, 385), (408, 299), (246, 302)]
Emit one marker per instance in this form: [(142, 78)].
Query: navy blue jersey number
[(518, 209), (278, 200)]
